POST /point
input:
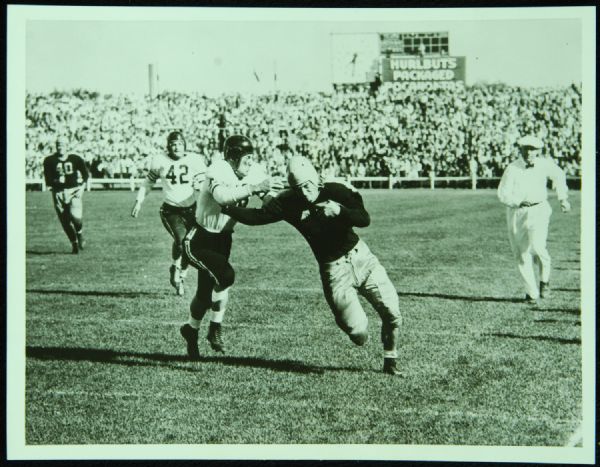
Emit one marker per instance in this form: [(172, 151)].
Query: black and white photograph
[(301, 233)]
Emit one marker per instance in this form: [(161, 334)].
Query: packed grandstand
[(348, 132)]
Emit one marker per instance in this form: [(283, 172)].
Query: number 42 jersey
[(178, 177)]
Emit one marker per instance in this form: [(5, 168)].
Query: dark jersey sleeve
[(352, 209), (269, 213), (82, 168), (49, 172)]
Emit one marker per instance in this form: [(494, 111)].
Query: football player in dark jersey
[(66, 174), (325, 215)]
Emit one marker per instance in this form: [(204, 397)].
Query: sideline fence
[(432, 182)]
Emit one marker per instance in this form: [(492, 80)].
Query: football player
[(178, 171), (325, 215), (207, 245), (66, 174)]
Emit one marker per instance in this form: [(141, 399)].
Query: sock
[(183, 273), (221, 295), (195, 323), (390, 354), (78, 224), (217, 316), (177, 262)]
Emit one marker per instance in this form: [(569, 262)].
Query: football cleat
[(191, 338), (214, 337), (529, 300), (74, 248), (389, 367), (544, 289), (81, 240)]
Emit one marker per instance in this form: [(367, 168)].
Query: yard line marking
[(303, 404), (576, 438)]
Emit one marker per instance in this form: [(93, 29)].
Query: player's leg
[(62, 212), (209, 252), (200, 304), (179, 231), (377, 288), (520, 243), (341, 296), (76, 211), (175, 226), (188, 220), (538, 233)]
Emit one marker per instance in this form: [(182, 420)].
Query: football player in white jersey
[(207, 245), (178, 171)]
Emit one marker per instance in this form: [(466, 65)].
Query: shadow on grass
[(560, 340), (95, 293), (565, 269), (551, 320), (570, 311), (461, 297), (567, 290), (161, 359), (47, 253)]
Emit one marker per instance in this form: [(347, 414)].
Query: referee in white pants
[(523, 190)]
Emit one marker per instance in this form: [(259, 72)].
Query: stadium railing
[(360, 182)]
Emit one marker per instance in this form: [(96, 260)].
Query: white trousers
[(527, 234), (360, 272)]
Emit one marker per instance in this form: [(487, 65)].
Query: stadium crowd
[(353, 131)]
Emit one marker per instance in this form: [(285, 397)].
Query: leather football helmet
[(236, 147)]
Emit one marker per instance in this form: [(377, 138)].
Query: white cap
[(301, 170), (530, 141)]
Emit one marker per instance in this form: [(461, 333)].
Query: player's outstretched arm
[(250, 216)]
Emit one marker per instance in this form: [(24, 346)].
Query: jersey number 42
[(181, 177)]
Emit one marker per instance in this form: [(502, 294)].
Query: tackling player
[(178, 171), (66, 175), (325, 215), (208, 244)]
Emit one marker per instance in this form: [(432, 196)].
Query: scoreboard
[(414, 60), (414, 43)]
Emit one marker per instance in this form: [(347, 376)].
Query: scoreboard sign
[(401, 68)]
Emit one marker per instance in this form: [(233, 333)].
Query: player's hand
[(261, 187), (565, 206), (197, 181), (277, 184), (136, 209), (329, 208)]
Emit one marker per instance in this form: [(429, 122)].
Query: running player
[(207, 246), (66, 174), (178, 171)]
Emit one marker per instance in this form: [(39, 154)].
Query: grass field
[(105, 362)]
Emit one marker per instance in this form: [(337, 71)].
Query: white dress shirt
[(527, 185)]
